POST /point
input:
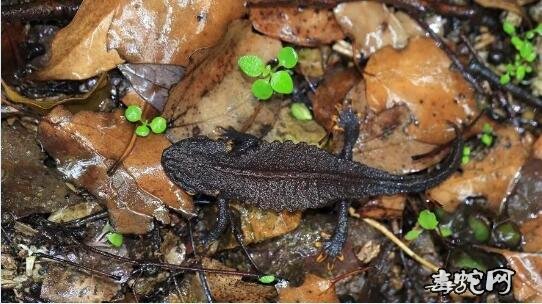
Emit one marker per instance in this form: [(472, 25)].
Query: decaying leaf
[(331, 93), (313, 290), (152, 81), (87, 144), (311, 61), (420, 77), (27, 185), (169, 32), (64, 285), (492, 177), (226, 288), (47, 103), (384, 207), (79, 50), (532, 234), (70, 213), (286, 127), (372, 26), (300, 26), (216, 94)]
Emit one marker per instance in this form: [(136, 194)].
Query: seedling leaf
[(282, 82), (251, 65)]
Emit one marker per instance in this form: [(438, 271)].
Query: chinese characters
[(499, 279)]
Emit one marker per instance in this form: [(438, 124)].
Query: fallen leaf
[(152, 81), (331, 93), (87, 144), (27, 185), (70, 213), (420, 77), (300, 26), (64, 285), (79, 50), (286, 127), (532, 234), (216, 94), (173, 249), (508, 5), (313, 290), (527, 281), (385, 145), (537, 148), (490, 177), (47, 103), (169, 32), (383, 207), (225, 288), (311, 62), (373, 26)]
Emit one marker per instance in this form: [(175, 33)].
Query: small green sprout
[(133, 113), (526, 53), (300, 111), (116, 239), (479, 228), (487, 135), (427, 220), (465, 158), (277, 79), (266, 279)]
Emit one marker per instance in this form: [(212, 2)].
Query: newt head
[(191, 161)]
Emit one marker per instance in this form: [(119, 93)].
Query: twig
[(401, 244), (84, 220), (75, 265)]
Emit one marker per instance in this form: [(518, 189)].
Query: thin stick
[(432, 267)]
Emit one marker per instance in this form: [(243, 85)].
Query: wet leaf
[(79, 50), (537, 148), (384, 207), (300, 26), (160, 31), (331, 93), (508, 5), (27, 185), (217, 94), (152, 81), (47, 103), (490, 177), (376, 27), (420, 77), (87, 144), (74, 212), (313, 290)]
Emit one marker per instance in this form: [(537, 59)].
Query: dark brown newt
[(287, 176)]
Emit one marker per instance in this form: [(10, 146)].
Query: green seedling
[(427, 220), (116, 239), (525, 53), (157, 125), (300, 111), (270, 80)]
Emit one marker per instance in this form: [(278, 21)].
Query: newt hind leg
[(349, 122)]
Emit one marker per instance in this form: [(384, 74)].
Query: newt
[(287, 176)]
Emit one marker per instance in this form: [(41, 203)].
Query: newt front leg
[(349, 122)]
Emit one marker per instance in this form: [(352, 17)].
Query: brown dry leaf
[(87, 144), (492, 177), (420, 77), (79, 50), (384, 144), (300, 26), (64, 285), (216, 94), (313, 290), (225, 288), (537, 148), (508, 5), (169, 32), (384, 207), (372, 26), (286, 127), (331, 93)]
